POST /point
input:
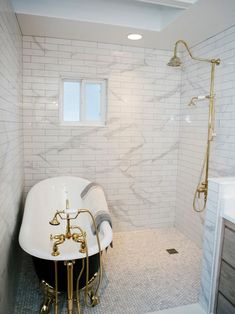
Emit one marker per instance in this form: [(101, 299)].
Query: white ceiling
[(112, 20), (142, 14)]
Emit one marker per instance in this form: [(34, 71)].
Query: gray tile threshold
[(186, 309)]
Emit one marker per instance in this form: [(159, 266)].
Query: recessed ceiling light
[(134, 36)]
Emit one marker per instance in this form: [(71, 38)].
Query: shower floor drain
[(172, 251)]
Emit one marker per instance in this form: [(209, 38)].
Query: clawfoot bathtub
[(42, 202)]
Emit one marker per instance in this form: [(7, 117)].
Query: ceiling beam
[(180, 4)]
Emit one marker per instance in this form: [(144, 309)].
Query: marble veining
[(220, 190), (134, 156)]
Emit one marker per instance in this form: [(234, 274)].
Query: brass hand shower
[(202, 187)]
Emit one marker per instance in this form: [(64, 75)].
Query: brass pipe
[(70, 286), (68, 228), (77, 287), (210, 120), (95, 298), (217, 61), (202, 186)]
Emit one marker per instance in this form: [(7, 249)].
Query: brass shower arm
[(216, 61)]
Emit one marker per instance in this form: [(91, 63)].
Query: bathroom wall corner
[(11, 153)]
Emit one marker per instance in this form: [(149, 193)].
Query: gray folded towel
[(100, 216), (88, 188)]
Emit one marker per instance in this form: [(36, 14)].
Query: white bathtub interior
[(42, 202)]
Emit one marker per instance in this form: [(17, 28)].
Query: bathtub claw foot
[(49, 297), (95, 300), (45, 309)]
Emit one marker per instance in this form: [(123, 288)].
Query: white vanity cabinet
[(226, 284)]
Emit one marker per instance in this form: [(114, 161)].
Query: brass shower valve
[(202, 188)]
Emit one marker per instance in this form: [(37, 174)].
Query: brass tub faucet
[(90, 293)]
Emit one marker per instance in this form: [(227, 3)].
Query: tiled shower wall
[(11, 150), (193, 126), (135, 156)]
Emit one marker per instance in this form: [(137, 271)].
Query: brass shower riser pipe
[(202, 186)]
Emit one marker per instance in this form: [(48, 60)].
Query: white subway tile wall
[(134, 157), (209, 241), (193, 126), (11, 150)]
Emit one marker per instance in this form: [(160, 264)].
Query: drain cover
[(172, 251)]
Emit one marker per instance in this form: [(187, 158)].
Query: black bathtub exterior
[(45, 271)]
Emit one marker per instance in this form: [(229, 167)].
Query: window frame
[(82, 107)]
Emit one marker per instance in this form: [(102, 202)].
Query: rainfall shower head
[(174, 61)]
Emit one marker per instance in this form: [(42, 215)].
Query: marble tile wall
[(209, 240), (11, 150), (193, 126), (135, 156), (221, 191)]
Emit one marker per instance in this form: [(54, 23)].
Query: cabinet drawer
[(227, 282), (224, 306), (228, 252)]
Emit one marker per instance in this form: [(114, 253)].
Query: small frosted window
[(71, 108), (83, 102), (93, 101)]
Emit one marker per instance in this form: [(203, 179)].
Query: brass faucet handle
[(77, 237), (60, 237), (57, 237)]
